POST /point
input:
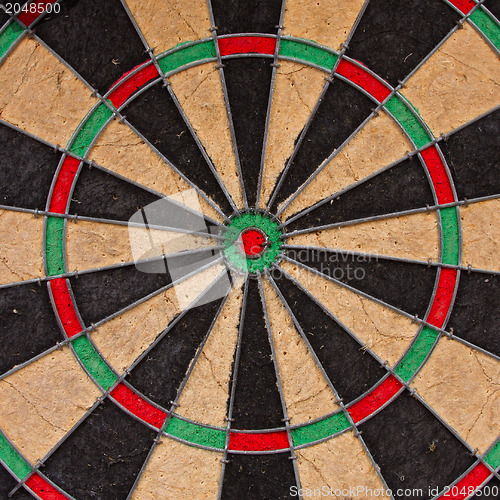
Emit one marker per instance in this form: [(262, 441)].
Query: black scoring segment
[(105, 196), (102, 195), (257, 403), (96, 38), (341, 111), (28, 326), (102, 293), (3, 18), (155, 115), (241, 16), (395, 35), (472, 155), (27, 168), (351, 370), (402, 187), (8, 483), (476, 312), (103, 456), (159, 375), (267, 477), (494, 7), (248, 83), (404, 285), (413, 449)]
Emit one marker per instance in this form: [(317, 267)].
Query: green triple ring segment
[(232, 250)]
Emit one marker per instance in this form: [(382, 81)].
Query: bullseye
[(254, 242)]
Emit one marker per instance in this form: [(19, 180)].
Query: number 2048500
[(32, 8)]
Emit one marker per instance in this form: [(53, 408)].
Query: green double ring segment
[(233, 253)]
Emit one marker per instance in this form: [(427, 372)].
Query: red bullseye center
[(254, 241)]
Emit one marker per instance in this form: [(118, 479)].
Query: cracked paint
[(296, 90), (200, 94), (449, 94), (20, 230), (43, 400), (365, 318), (480, 235), (119, 149), (53, 99), (462, 385), (94, 244), (305, 389), (377, 144), (204, 399), (338, 463), (325, 21), (413, 236), (161, 479), (171, 22)]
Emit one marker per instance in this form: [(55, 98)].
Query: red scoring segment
[(138, 406), (133, 83), (443, 298), (254, 241), (41, 487), (439, 176), (258, 441), (64, 306), (375, 399), (465, 6), (247, 45), (33, 11), (62, 187), (469, 483), (364, 79)]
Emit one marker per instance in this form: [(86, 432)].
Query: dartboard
[(249, 249)]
